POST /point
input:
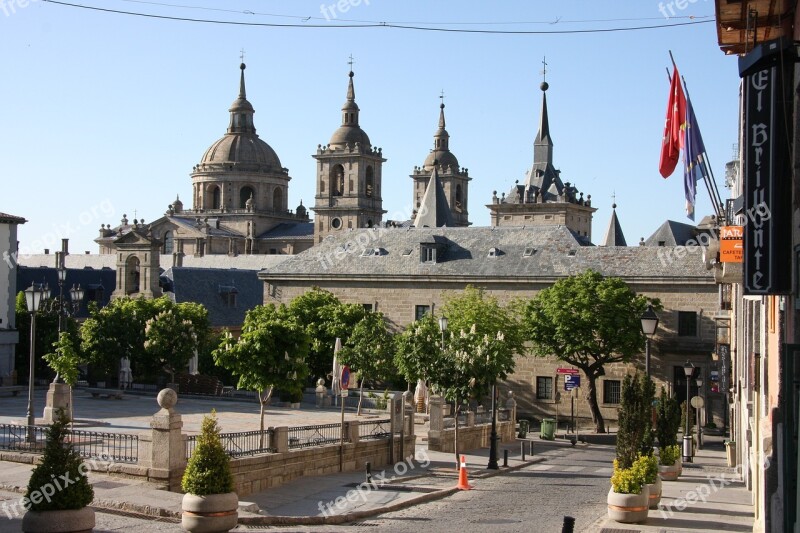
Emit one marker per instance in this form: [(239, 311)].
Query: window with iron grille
[(421, 310), (611, 390), (687, 324), (544, 388)]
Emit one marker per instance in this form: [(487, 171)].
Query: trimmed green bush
[(209, 469), (647, 467), (667, 455), (668, 420), (60, 463)]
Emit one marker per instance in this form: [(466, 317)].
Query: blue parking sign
[(571, 381)]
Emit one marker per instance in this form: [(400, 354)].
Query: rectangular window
[(611, 390), (367, 307), (544, 388), (421, 310), (687, 324)]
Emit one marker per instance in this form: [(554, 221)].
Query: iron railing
[(375, 429), (241, 444), (113, 447), (319, 435)]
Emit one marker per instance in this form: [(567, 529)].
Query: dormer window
[(228, 295), (428, 254), (528, 252), (495, 252)]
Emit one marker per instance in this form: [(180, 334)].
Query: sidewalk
[(708, 497)]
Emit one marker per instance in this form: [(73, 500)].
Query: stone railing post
[(470, 419), (281, 436), (163, 451), (436, 404), (351, 431), (408, 402)]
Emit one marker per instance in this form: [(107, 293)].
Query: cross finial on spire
[(614, 199), (351, 62), (544, 69), (241, 55), (441, 96)]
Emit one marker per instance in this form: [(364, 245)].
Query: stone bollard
[(57, 398), (163, 451), (437, 415), (321, 392), (511, 405), (470, 419)]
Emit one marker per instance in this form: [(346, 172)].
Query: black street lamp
[(33, 299), (493, 437), (688, 370), (699, 382), (649, 326)]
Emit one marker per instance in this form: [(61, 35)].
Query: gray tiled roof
[(205, 286), (614, 235), (5, 218), (672, 233), (530, 253), (289, 230), (97, 261)]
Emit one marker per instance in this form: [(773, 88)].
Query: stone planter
[(211, 513), (679, 466), (69, 521), (628, 508), (655, 493), (669, 472)]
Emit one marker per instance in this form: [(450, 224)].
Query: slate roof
[(529, 253), (207, 285), (672, 233), (241, 262), (286, 230), (90, 279)]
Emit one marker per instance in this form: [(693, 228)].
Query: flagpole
[(706, 171)]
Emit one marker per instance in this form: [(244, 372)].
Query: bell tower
[(349, 172)]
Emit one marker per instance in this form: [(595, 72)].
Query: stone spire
[(350, 108), (614, 235), (241, 110), (434, 211)]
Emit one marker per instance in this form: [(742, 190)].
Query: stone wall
[(470, 438)]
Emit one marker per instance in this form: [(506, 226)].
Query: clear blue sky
[(105, 114)]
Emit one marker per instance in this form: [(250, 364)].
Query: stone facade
[(9, 336)]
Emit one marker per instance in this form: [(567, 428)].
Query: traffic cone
[(463, 482)]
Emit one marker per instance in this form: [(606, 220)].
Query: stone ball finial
[(320, 382), (167, 399), (544, 86)]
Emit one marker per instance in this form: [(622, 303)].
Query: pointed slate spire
[(433, 210), (241, 110), (350, 108), (441, 137), (543, 145), (614, 235)]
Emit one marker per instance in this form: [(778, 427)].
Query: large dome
[(237, 148), (350, 135)]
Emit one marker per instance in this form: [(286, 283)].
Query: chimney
[(47, 251), (65, 247)]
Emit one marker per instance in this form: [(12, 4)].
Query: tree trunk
[(262, 400), (360, 397), (597, 416)]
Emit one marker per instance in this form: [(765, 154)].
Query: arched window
[(337, 180), (459, 198), (370, 182), (132, 275), (169, 242), (277, 199), (215, 197), (245, 194)]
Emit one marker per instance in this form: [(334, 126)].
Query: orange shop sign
[(731, 246)]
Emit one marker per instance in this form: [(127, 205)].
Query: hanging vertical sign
[(767, 173), (724, 353)]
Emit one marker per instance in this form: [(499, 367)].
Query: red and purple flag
[(672, 140)]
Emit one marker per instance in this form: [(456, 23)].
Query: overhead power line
[(392, 25)]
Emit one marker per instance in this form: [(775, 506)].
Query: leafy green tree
[(270, 353), (46, 335), (209, 469), (369, 351), (668, 420), (113, 332), (418, 350), (169, 343), (324, 318), (65, 359), (587, 321)]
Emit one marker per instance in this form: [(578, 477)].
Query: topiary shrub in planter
[(648, 470), (53, 505), (210, 503), (669, 462), (628, 498)]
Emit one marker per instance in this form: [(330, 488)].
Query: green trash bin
[(523, 428), (548, 431)]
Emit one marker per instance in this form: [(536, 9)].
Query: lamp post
[(33, 300), (442, 327), (688, 370), (649, 326), (699, 382), (493, 437)]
